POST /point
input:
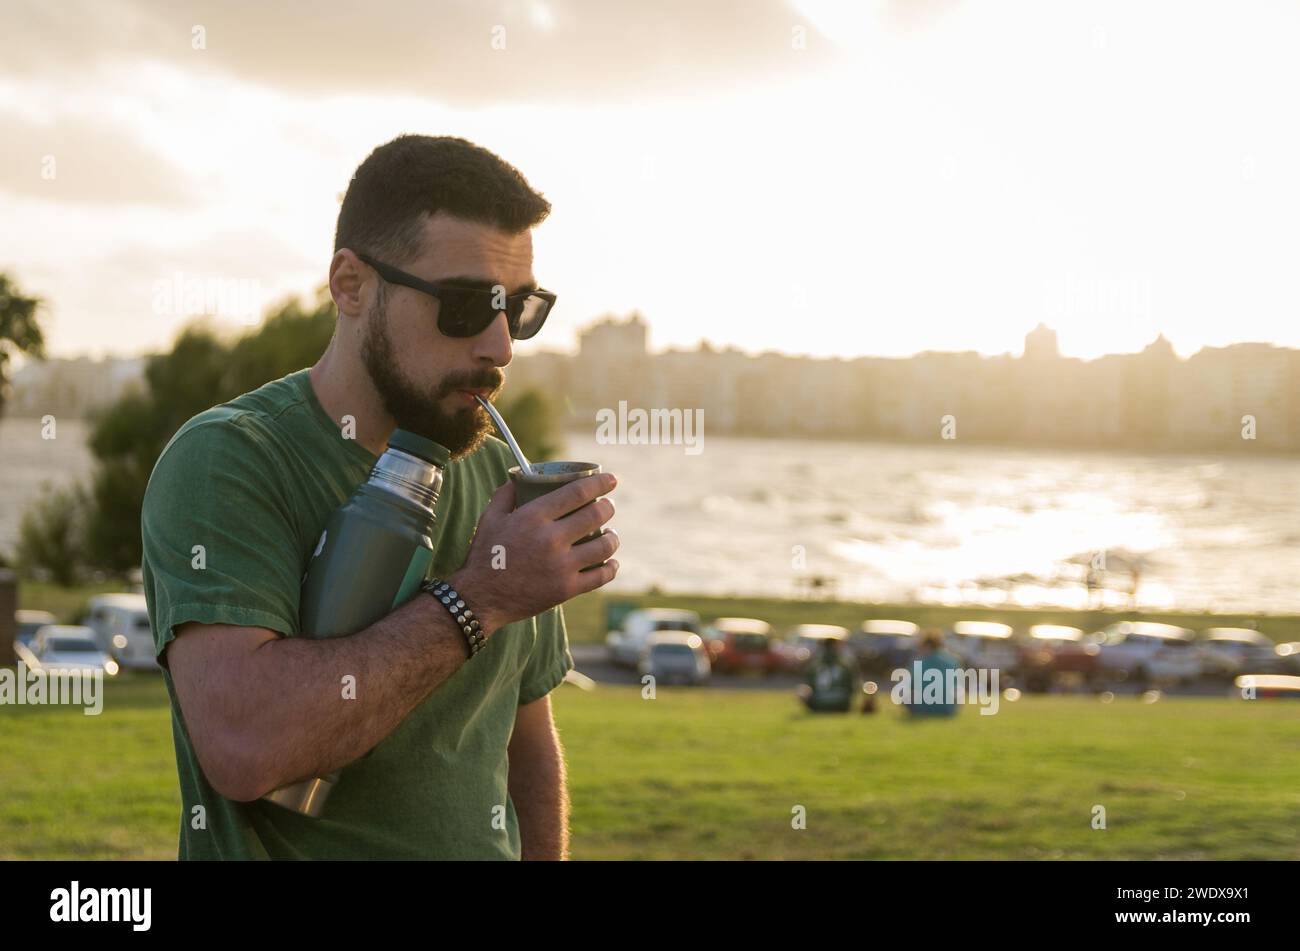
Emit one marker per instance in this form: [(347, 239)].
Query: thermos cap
[(420, 447)]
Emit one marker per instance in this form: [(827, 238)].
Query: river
[(945, 523)]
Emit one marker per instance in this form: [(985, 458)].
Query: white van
[(625, 645), (121, 626)]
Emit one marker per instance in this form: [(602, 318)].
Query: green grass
[(78, 786), (701, 773), (67, 604)]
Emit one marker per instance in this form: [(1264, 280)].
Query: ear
[(348, 278)]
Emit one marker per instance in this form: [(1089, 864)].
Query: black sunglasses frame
[(513, 309)]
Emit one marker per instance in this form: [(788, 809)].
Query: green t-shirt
[(831, 682), (253, 481)]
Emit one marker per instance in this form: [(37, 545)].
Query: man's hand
[(540, 566)]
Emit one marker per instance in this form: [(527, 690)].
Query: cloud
[(133, 297), (581, 50), (82, 161)]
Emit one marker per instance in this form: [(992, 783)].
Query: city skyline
[(231, 329), (1242, 396), (703, 344)]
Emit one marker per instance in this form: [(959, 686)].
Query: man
[(464, 760), (829, 683)]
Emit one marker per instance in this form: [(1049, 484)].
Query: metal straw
[(524, 465)]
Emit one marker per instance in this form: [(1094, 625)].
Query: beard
[(419, 410)]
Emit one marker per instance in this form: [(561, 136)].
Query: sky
[(815, 177)]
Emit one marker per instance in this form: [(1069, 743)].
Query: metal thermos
[(372, 557)]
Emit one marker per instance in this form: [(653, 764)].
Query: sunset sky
[(814, 177)]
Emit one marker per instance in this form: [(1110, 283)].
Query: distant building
[(1244, 396), (1040, 345), (1146, 400), (72, 387)]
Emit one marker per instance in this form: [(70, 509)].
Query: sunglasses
[(468, 311)]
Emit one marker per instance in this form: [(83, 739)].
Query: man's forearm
[(540, 795), (309, 707)]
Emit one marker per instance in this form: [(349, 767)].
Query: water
[(28, 462), (946, 523), (955, 524)]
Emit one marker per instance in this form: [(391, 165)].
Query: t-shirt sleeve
[(219, 543), (550, 659)]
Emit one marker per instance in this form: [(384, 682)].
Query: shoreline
[(1159, 451)]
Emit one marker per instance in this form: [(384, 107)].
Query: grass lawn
[(699, 773), (78, 786), (66, 604)]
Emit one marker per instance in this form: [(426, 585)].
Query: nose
[(493, 344)]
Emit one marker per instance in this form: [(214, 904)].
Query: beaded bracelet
[(469, 625)]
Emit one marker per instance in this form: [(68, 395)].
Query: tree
[(52, 536), (200, 371), (532, 421), (289, 339), (19, 330)]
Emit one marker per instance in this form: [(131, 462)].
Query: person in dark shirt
[(829, 683)]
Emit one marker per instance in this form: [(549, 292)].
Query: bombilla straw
[(524, 466)]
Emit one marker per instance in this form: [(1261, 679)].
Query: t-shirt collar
[(352, 446)]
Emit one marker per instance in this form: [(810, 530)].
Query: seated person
[(932, 656), (829, 685)]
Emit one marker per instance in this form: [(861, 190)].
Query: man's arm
[(264, 711), (537, 783)]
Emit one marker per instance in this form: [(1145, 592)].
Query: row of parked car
[(1139, 651), (114, 634), (674, 645)]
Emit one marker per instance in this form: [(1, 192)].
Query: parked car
[(625, 645), (1226, 652), (985, 644), (674, 657), (121, 626), (880, 646), (738, 644), (802, 641), (28, 622), (1269, 686), (1288, 655), (1144, 651), (1053, 651), (70, 647)]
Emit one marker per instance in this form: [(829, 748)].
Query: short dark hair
[(383, 209)]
